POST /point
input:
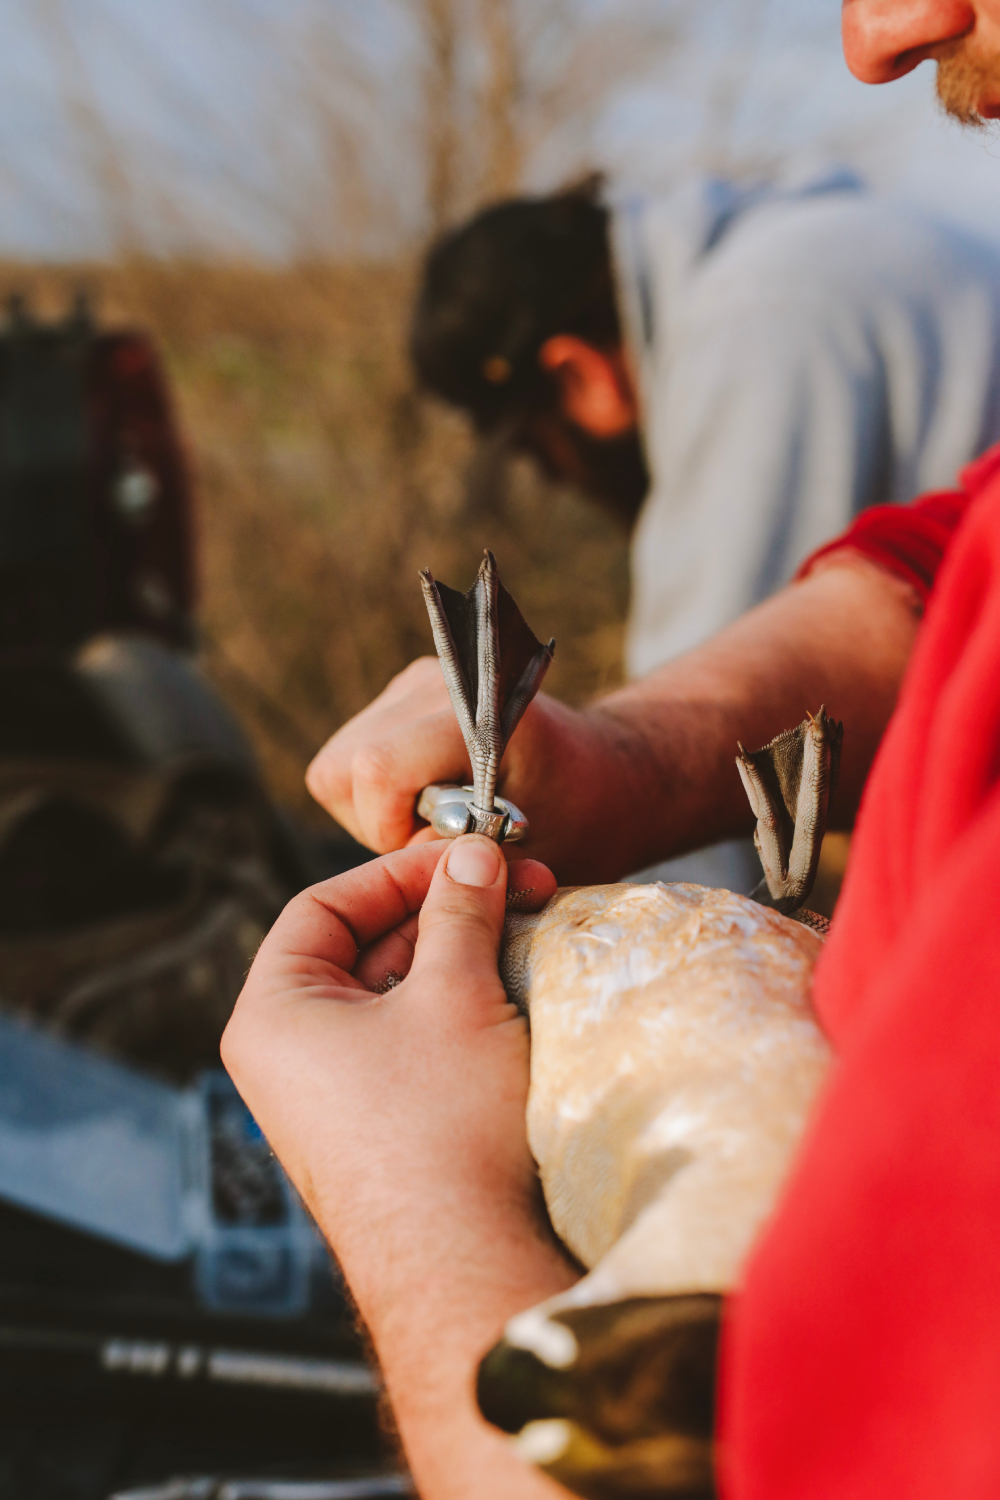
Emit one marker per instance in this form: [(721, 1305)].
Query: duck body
[(674, 1060), (675, 1057)]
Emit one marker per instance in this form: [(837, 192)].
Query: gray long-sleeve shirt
[(800, 356)]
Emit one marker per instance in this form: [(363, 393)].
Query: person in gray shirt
[(736, 372)]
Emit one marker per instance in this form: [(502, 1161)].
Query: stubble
[(962, 81)]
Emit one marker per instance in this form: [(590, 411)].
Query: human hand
[(649, 771), (559, 769), (400, 1117), (382, 1107)]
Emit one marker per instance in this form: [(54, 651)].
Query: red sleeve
[(908, 540), (860, 1361)]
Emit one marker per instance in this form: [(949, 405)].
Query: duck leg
[(789, 783), (493, 666)]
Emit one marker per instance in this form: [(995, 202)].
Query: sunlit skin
[(595, 393), (596, 388), (589, 434), (883, 39)]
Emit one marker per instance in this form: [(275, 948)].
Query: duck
[(675, 1059)]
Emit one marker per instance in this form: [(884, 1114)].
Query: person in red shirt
[(860, 1356)]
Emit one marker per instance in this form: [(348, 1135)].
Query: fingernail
[(473, 861)]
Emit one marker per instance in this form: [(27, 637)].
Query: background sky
[(205, 126)]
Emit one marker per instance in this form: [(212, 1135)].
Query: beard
[(612, 471), (962, 81)]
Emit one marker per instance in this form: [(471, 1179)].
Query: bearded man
[(859, 1359)]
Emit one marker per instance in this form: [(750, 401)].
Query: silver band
[(452, 811)]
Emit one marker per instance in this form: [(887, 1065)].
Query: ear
[(595, 389)]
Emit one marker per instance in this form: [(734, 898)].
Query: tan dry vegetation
[(325, 482)]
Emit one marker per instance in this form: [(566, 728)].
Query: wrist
[(433, 1309), (589, 779), (627, 788), (430, 1250)]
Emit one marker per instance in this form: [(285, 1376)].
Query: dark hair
[(495, 289)]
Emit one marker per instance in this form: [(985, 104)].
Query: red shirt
[(861, 1358), (908, 540)]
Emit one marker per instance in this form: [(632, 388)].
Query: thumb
[(461, 919)]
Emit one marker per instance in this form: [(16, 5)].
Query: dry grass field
[(325, 482)]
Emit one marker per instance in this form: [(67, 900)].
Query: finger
[(388, 959), (425, 834), (331, 923), (422, 677), (389, 774), (410, 696), (422, 682), (529, 883), (461, 921)]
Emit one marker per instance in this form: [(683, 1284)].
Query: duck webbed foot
[(493, 666), (789, 783)]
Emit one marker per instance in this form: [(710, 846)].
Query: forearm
[(666, 746), (648, 771), (433, 1304)]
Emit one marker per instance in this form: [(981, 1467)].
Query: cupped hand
[(375, 1046), (561, 767)]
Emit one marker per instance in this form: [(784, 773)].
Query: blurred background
[(253, 182)]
